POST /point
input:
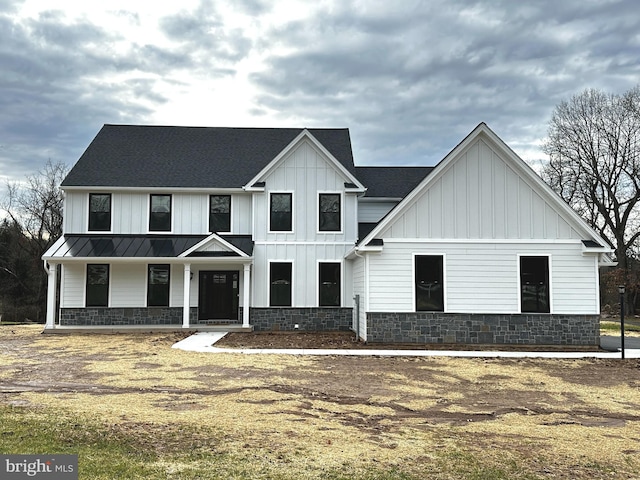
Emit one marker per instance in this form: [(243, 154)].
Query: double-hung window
[(160, 213), (220, 213), (99, 212), (329, 284), (329, 219), (534, 284), (429, 283), (158, 285), (280, 212), (280, 280), (97, 285)]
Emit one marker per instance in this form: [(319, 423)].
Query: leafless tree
[(33, 211), (594, 164)]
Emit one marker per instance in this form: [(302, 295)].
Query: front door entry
[(218, 295)]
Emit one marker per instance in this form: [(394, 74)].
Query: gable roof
[(190, 157), (391, 182), (482, 130)]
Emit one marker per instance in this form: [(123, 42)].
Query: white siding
[(306, 172), (130, 213), (128, 285), (372, 212), (305, 258), (481, 197), (73, 285), (482, 277), (358, 269)]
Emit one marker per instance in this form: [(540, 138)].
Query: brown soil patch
[(549, 417)]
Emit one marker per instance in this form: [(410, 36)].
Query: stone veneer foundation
[(96, 316), (308, 319), (521, 329)]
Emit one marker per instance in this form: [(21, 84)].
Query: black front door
[(218, 295)]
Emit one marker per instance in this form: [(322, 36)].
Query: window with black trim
[(160, 213), (99, 212), (220, 213), (158, 277), (428, 283), (534, 284), (329, 215), (280, 284), (329, 284), (97, 285), (280, 212)]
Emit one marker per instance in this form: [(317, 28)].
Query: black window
[(97, 285), (280, 212), (329, 220), (280, 285), (534, 284), (329, 285), (429, 285), (160, 213), (99, 212), (158, 286), (220, 213)]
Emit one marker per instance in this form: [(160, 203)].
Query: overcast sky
[(409, 78)]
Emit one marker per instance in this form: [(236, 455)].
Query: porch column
[(246, 281), (51, 295), (187, 295)]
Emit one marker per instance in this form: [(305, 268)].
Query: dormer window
[(99, 212), (160, 213)]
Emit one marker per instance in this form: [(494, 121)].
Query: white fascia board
[(286, 150), (170, 260), (217, 238), (56, 245)]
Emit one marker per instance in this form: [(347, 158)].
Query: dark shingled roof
[(391, 182), (195, 157)]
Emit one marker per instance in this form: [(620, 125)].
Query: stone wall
[(308, 319), (95, 316), (436, 327)]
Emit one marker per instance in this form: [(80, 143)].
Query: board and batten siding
[(480, 196), (482, 277), (304, 258), (305, 172), (130, 213)]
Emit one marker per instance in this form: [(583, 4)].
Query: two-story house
[(277, 229)]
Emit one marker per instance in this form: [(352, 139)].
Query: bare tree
[(34, 221), (594, 164)]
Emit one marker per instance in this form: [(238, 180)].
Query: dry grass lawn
[(335, 417)]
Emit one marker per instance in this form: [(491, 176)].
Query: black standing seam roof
[(190, 157)]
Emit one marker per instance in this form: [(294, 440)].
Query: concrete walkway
[(204, 342)]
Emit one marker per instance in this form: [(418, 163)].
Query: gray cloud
[(409, 82)]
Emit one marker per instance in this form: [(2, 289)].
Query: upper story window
[(534, 284), (97, 285), (429, 283), (329, 214), (280, 215), (99, 212), (220, 213), (160, 213)]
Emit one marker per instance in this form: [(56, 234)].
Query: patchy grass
[(613, 328), (132, 407)]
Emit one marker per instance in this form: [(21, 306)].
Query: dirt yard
[(421, 417)]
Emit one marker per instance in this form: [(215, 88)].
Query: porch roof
[(138, 246)]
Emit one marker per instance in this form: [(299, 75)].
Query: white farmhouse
[(277, 229)]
